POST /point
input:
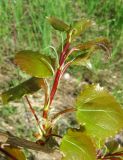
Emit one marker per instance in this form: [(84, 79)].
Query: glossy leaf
[(35, 64), (76, 145), (80, 27), (27, 87), (13, 153), (58, 24), (99, 111), (90, 48)]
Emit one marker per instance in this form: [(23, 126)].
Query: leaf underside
[(76, 145), (27, 87), (99, 112), (35, 63)]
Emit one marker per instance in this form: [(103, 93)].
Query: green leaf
[(35, 64), (13, 153), (99, 111), (90, 48), (80, 27), (76, 145), (58, 24), (27, 87)]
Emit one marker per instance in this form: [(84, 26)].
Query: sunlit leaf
[(13, 153), (80, 27), (90, 48), (76, 145), (99, 111), (58, 24), (35, 63), (27, 87)]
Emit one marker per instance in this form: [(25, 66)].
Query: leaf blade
[(35, 63), (27, 87), (100, 113), (89, 49), (77, 145), (58, 24), (79, 27)]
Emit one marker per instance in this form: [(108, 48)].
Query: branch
[(34, 114), (7, 139)]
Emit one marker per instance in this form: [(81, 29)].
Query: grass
[(23, 23)]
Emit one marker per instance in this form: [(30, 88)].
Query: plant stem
[(65, 67), (68, 110), (34, 113), (20, 142), (56, 80), (63, 53), (111, 156), (58, 73), (55, 84)]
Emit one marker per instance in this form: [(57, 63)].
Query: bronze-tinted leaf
[(98, 43), (13, 153), (76, 145), (90, 48), (35, 63), (58, 24), (99, 111), (80, 27), (27, 87), (82, 60)]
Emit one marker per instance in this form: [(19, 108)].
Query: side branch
[(7, 139)]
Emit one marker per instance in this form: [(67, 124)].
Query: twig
[(34, 113), (110, 156), (20, 142)]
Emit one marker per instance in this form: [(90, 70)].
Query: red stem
[(58, 73), (57, 77), (65, 67), (55, 85), (111, 156), (63, 53), (33, 112)]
